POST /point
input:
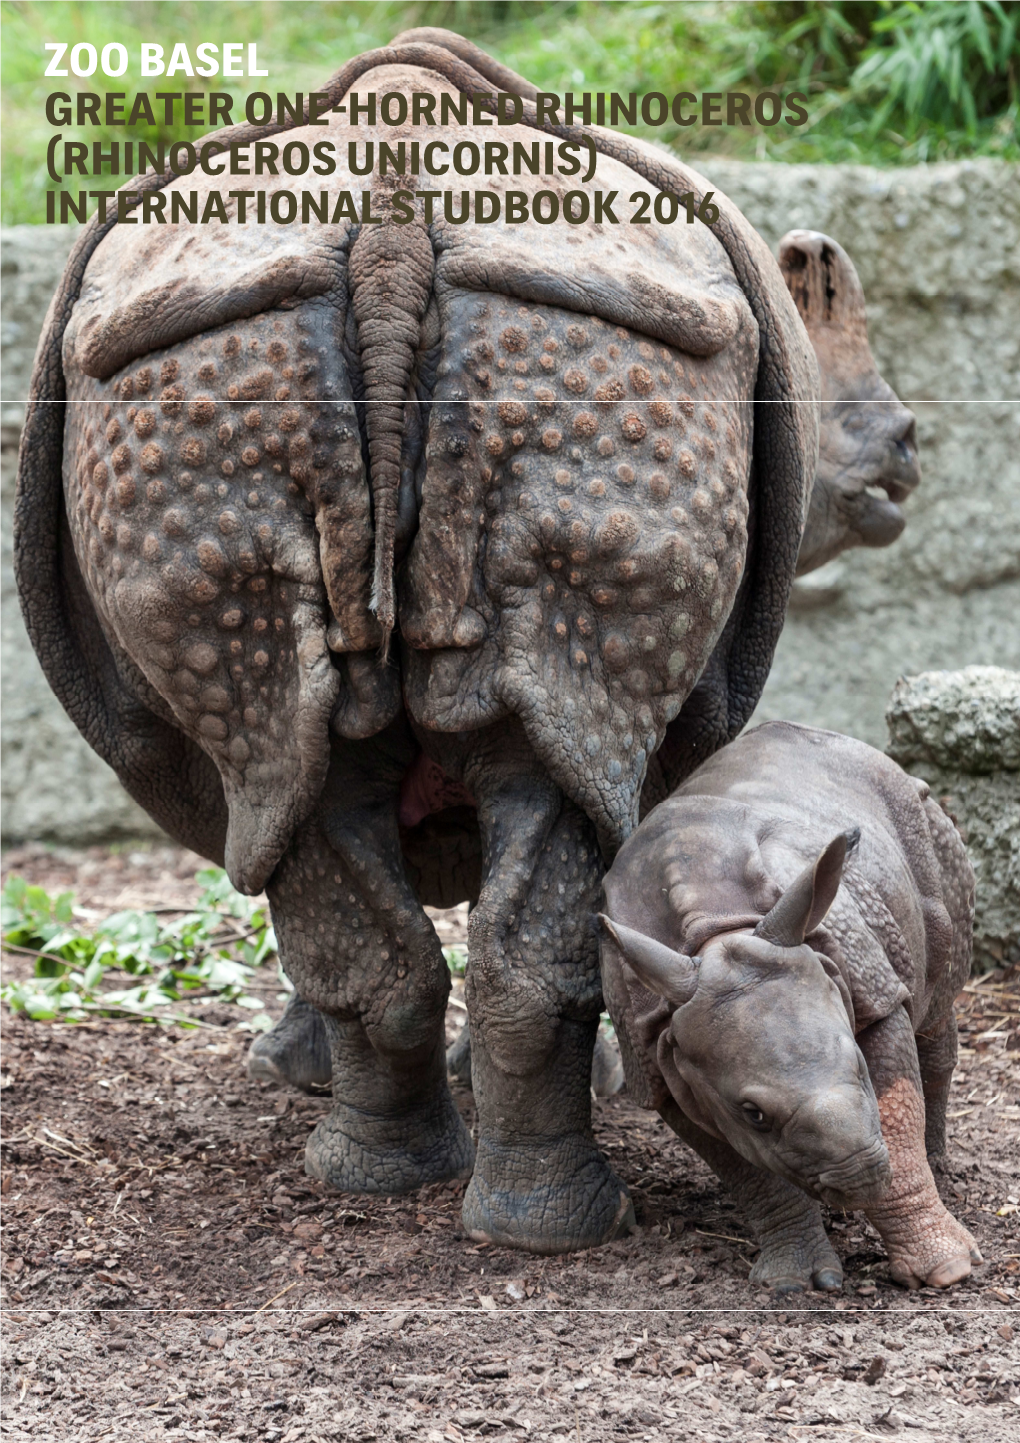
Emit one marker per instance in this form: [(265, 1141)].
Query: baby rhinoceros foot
[(926, 1245), (798, 1263), (355, 1152), (553, 1196), (295, 1053)]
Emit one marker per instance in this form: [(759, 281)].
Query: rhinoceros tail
[(391, 270)]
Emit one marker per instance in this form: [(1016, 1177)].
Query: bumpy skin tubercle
[(582, 537), (191, 490)]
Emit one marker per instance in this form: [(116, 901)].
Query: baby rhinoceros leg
[(795, 1254), (924, 1241), (936, 1056), (937, 1040)]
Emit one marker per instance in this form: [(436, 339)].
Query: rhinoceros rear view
[(299, 502)]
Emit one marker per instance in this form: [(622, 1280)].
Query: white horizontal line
[(494, 401)]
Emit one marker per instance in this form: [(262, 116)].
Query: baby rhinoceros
[(784, 940)]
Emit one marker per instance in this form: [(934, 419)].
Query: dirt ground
[(169, 1272)]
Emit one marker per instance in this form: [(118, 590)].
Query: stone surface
[(938, 252), (54, 786), (937, 249), (31, 263), (960, 731), (966, 720)]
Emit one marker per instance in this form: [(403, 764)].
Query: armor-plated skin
[(329, 496), (783, 941)]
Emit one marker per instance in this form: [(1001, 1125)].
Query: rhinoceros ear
[(667, 973), (825, 286), (805, 902)]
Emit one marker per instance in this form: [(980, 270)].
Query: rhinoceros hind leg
[(413, 1136), (458, 1057), (295, 1053), (359, 948), (551, 1191), (534, 997), (607, 1077)]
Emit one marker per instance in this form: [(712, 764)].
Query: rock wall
[(960, 731), (938, 251), (54, 787)]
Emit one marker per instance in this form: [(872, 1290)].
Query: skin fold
[(786, 1002), (302, 508)]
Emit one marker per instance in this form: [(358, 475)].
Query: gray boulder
[(960, 731)]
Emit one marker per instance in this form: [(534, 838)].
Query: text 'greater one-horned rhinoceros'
[(785, 937), (299, 504)]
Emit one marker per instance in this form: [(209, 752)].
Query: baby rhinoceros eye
[(754, 1114)]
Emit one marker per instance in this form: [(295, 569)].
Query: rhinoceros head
[(760, 1049), (867, 440)]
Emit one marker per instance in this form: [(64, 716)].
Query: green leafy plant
[(888, 81), (206, 955), (456, 960), (953, 62), (810, 45)]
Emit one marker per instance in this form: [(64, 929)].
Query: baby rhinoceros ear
[(667, 973), (805, 902)]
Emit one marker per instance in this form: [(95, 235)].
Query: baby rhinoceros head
[(760, 1049)]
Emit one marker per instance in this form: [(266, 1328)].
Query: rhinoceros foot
[(926, 1245), (355, 1152), (798, 1263), (295, 1053), (563, 1196), (458, 1057)]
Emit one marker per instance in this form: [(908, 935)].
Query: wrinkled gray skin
[(295, 1053), (331, 501), (775, 935)]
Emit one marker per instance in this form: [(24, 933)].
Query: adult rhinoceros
[(299, 503)]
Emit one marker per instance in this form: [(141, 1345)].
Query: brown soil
[(170, 1272)]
